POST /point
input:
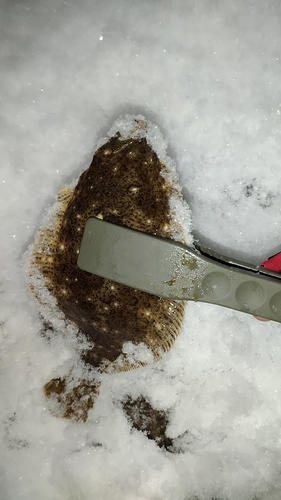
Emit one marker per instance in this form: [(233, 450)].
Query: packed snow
[(207, 73)]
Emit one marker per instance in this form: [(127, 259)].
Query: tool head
[(172, 270)]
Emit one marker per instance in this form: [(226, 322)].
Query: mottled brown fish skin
[(123, 185), (153, 422), (71, 403)]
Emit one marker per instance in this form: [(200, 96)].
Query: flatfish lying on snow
[(131, 182)]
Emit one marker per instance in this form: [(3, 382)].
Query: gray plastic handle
[(172, 270)]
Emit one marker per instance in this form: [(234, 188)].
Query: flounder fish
[(131, 182)]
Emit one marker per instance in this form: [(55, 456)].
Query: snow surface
[(208, 74)]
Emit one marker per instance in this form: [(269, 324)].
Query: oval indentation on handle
[(250, 295), (216, 285), (275, 304)]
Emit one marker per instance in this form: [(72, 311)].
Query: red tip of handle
[(273, 264)]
